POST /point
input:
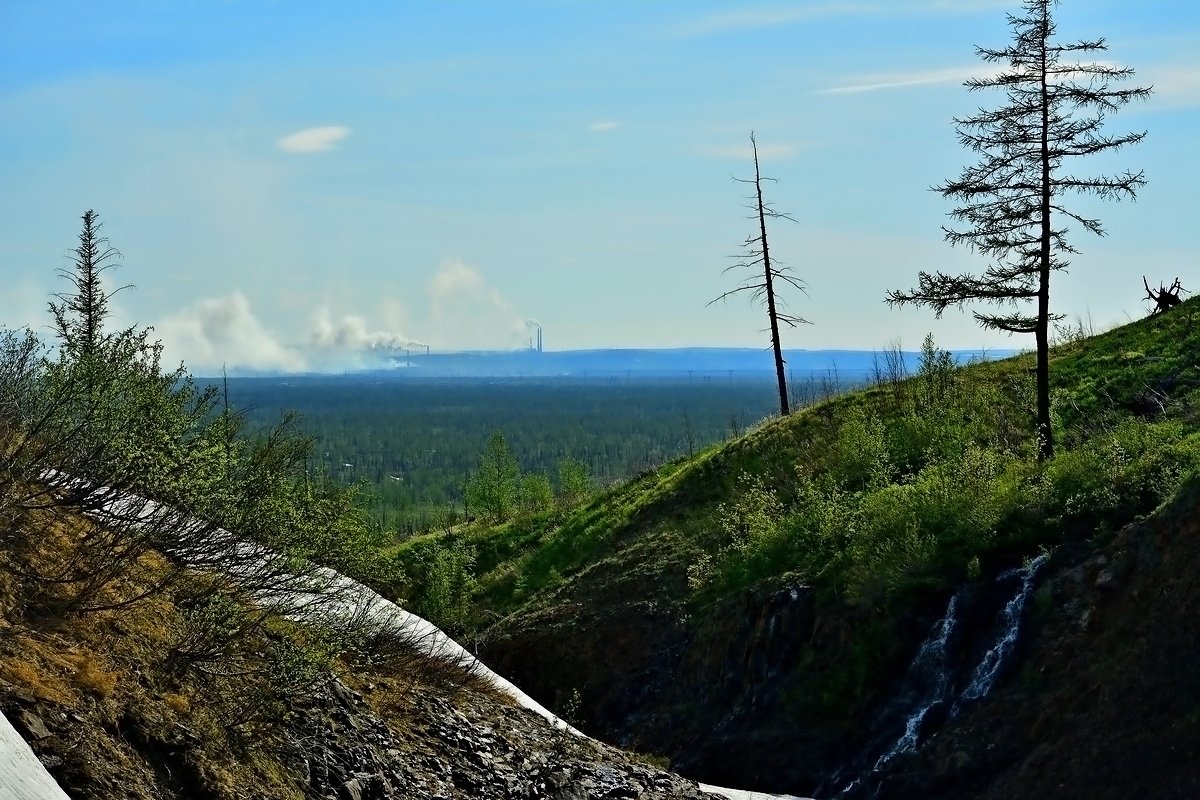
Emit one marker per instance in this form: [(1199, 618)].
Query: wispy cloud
[(776, 16), (1178, 85), (742, 152), (1175, 86), (604, 125), (313, 140), (468, 311), (879, 82)]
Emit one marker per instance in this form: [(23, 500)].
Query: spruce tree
[(80, 313)]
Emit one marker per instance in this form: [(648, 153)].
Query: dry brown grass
[(34, 679), (110, 668), (181, 704), (92, 677)]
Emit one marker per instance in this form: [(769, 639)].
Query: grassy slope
[(627, 554), (1097, 382)]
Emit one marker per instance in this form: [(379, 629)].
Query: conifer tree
[(1012, 203), (79, 314)]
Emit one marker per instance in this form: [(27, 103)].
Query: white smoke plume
[(224, 332), (350, 333), (468, 312)]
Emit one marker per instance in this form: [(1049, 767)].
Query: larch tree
[(79, 313), (764, 276), (1012, 202)]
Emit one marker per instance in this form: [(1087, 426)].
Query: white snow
[(22, 776), (742, 794), (324, 595)]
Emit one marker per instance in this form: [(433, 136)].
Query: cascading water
[(988, 668), (932, 680), (929, 667)]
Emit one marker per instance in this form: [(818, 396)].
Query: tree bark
[(1042, 334), (784, 408)]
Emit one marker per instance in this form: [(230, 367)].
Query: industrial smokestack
[(539, 338)]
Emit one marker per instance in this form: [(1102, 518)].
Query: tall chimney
[(539, 338)]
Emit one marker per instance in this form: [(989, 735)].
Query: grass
[(882, 500)]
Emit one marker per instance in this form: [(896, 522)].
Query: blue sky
[(288, 180)]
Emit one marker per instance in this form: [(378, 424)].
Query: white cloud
[(1176, 86), (605, 125), (313, 140), (1182, 82), (903, 80)]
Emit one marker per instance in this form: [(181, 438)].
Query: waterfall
[(929, 667), (932, 680), (988, 668)]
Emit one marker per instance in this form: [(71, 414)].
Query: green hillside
[(871, 508)]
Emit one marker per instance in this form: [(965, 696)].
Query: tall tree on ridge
[(1055, 111), (764, 275), (79, 314)]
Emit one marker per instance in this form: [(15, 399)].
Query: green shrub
[(859, 457), (445, 583)]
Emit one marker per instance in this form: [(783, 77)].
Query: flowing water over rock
[(994, 660), (949, 671)]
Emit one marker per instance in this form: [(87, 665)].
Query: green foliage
[(1121, 473), (859, 457), (102, 411), (494, 489), (444, 572), (537, 494), (574, 482)]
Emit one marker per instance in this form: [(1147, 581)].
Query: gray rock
[(34, 726)]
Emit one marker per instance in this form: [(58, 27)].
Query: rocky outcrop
[(711, 693), (1104, 702), (479, 749)]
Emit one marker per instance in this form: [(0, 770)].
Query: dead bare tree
[(764, 275), (1165, 298)]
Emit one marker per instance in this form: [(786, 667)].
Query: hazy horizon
[(452, 173)]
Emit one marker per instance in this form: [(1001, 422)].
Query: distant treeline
[(416, 442)]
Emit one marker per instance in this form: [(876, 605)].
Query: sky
[(289, 182)]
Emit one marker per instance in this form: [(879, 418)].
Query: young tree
[(536, 493), (494, 488), (764, 275), (79, 314), (1011, 200), (574, 482)]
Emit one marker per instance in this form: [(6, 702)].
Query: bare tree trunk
[(780, 376)]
